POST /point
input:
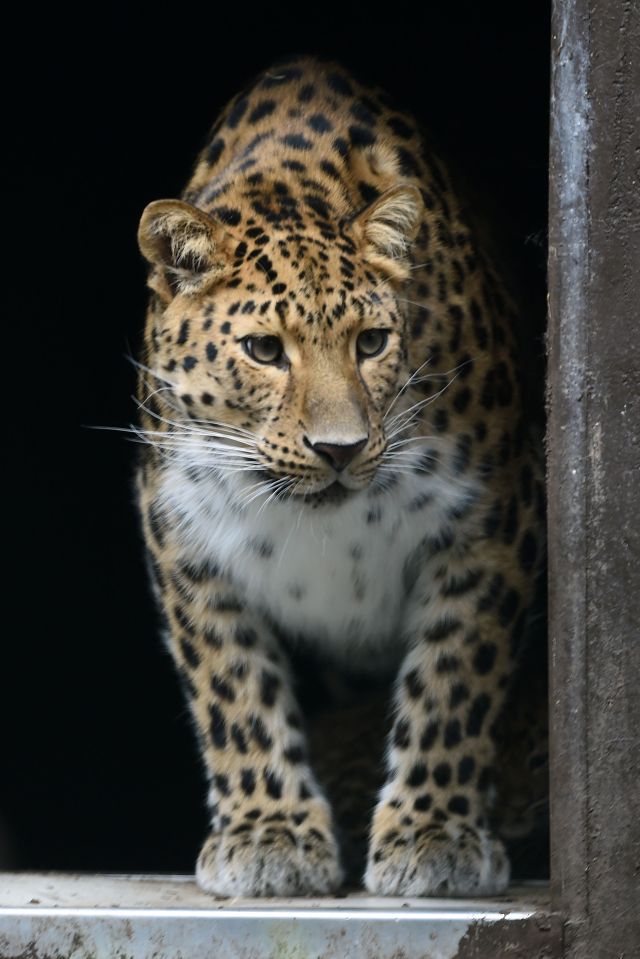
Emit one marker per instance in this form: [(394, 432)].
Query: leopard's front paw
[(451, 858), (276, 855)]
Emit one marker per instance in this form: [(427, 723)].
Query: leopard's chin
[(331, 495)]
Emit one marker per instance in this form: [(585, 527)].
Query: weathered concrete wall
[(594, 473)]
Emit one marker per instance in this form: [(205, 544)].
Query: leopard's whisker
[(172, 387), (414, 379), (404, 387), (187, 444), (263, 489), (403, 421), (409, 439), (147, 369), (189, 430), (206, 438), (423, 402), (283, 484), (215, 452), (404, 299), (256, 489)]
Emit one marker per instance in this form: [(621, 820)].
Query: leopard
[(341, 495)]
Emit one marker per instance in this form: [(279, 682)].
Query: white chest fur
[(335, 575)]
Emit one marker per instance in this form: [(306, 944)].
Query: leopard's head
[(281, 349)]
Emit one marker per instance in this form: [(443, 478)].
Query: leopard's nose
[(337, 455)]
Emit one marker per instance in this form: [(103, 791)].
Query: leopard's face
[(295, 365)]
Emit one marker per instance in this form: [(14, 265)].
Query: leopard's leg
[(271, 826), (430, 834)]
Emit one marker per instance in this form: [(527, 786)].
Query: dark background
[(98, 769)]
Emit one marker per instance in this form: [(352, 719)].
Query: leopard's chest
[(337, 576), (331, 576)]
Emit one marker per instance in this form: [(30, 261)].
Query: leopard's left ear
[(387, 227)]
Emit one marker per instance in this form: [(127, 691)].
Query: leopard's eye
[(371, 342), (263, 349)]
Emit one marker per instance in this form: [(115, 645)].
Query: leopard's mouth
[(334, 491), (330, 495)]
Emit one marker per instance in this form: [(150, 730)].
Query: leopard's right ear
[(186, 248)]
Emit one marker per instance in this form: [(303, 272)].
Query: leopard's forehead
[(301, 283), (291, 165)]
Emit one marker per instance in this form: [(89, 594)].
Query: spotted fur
[(340, 499)]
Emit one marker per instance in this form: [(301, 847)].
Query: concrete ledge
[(64, 916)]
